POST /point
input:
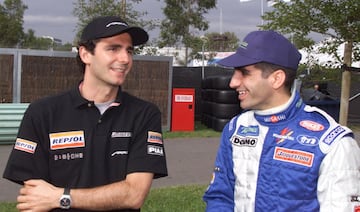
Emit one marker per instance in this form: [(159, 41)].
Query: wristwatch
[(65, 200)]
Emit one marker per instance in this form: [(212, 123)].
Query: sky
[(54, 17)]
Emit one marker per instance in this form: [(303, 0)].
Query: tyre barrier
[(220, 110), (220, 96), (213, 122), (219, 102), (216, 82)]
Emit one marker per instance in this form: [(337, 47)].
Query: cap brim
[(237, 60), (138, 35)]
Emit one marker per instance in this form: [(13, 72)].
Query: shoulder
[(246, 118), (333, 131), (136, 103), (51, 102)]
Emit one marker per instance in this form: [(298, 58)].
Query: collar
[(79, 101), (282, 113)]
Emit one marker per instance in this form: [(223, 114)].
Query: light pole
[(204, 39)]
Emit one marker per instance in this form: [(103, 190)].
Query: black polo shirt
[(65, 140)]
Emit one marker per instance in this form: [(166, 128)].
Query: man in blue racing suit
[(280, 154)]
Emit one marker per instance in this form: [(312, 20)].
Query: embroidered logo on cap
[(64, 140), (116, 23), (243, 45)]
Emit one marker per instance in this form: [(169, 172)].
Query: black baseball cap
[(107, 26)]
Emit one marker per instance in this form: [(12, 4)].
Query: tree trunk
[(345, 85)]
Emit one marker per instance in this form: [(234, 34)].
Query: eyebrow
[(120, 46), (241, 68)]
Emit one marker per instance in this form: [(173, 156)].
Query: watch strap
[(66, 191)]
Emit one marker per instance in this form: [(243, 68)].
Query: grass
[(174, 199), (8, 207), (200, 131)]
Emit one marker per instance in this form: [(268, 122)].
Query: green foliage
[(12, 35), (214, 42), (30, 41), (64, 47), (175, 199), (319, 74), (338, 20), (183, 20), (11, 23), (226, 42)]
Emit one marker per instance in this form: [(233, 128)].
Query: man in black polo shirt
[(94, 147)]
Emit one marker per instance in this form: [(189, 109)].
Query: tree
[(214, 42), (86, 10), (11, 22), (182, 20), (226, 42), (337, 19)]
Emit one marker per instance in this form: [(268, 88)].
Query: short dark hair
[(89, 46), (269, 68)]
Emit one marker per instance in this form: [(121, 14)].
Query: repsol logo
[(64, 140), (244, 141)]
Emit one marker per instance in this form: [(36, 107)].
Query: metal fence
[(27, 75)]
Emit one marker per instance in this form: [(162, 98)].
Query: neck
[(283, 102), (96, 93)]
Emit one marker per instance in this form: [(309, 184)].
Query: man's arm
[(219, 196), (38, 195), (339, 178)]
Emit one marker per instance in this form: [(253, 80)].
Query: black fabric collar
[(79, 101)]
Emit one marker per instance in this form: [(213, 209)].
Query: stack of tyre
[(219, 102)]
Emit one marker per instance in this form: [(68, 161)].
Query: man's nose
[(123, 56)]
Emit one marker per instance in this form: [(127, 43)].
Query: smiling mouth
[(121, 70)]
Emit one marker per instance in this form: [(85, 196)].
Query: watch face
[(65, 202)]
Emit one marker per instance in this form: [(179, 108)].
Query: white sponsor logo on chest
[(244, 141)]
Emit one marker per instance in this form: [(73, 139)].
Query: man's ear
[(84, 54), (278, 78)]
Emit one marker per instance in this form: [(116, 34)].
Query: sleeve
[(339, 177), (147, 152), (27, 159), (220, 193)]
